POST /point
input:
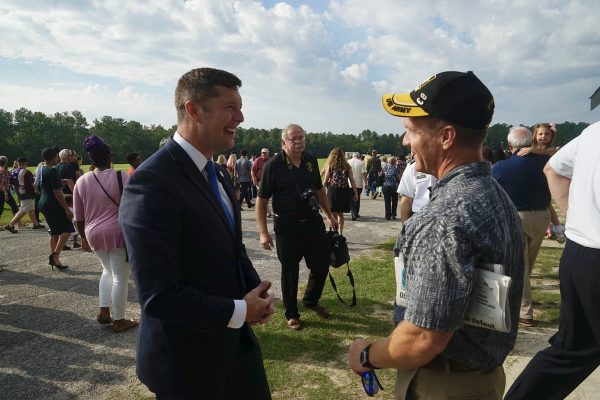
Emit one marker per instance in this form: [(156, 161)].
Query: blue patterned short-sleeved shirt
[(392, 175), (469, 220)]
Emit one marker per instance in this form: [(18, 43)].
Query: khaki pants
[(434, 384), (534, 225)]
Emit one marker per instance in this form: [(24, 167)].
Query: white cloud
[(355, 72), (351, 48), (323, 69), (518, 49)]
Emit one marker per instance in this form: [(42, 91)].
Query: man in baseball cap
[(469, 221)]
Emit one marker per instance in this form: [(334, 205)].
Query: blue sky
[(322, 64)]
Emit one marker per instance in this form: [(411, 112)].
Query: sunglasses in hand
[(370, 383)]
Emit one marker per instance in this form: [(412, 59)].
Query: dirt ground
[(52, 348)]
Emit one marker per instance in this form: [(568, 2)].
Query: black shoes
[(11, 229), (38, 226), (53, 263), (527, 322), (320, 311)]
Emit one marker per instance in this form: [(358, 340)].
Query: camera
[(309, 195)]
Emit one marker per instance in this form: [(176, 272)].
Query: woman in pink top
[(96, 198)]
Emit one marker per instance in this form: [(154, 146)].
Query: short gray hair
[(519, 142), (64, 153), (287, 128), (3, 161)]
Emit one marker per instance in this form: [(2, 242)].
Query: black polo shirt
[(285, 182), (67, 171)]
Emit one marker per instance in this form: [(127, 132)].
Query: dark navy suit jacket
[(524, 181), (188, 267)]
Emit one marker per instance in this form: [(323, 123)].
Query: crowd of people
[(461, 206)]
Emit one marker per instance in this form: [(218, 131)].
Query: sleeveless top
[(338, 178)]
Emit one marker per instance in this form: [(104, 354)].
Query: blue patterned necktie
[(214, 185)]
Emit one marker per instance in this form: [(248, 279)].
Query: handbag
[(340, 256)]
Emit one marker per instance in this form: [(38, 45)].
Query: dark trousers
[(254, 191), (371, 178), (390, 198), (294, 240), (243, 377), (10, 200), (574, 353), (37, 208), (246, 193), (355, 205)]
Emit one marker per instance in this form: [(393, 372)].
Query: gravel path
[(52, 348)]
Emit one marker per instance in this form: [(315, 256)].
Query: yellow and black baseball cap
[(457, 97)]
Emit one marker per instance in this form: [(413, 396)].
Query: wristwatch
[(364, 358)]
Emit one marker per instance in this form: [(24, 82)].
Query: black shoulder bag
[(339, 257)]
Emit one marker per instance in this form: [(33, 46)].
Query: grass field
[(312, 364)]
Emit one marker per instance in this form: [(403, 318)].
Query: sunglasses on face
[(370, 383)]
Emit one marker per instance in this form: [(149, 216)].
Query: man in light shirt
[(574, 351), (414, 188), (359, 171)]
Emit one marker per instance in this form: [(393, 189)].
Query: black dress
[(53, 211), (339, 193)]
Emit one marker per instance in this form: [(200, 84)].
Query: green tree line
[(27, 133)]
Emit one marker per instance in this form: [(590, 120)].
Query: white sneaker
[(559, 232)]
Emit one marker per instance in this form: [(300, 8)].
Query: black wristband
[(364, 358)]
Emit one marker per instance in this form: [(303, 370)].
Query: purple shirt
[(101, 215)]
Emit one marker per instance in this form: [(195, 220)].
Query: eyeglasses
[(370, 383), (295, 139)]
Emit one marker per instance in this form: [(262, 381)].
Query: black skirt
[(339, 199)]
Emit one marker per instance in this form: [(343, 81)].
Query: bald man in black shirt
[(292, 178)]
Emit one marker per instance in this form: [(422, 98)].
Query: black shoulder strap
[(351, 279), (120, 180), (104, 190)]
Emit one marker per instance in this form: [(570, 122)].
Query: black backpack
[(339, 257)]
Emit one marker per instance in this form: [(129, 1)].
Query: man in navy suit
[(197, 288)]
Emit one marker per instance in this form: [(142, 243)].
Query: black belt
[(294, 219)]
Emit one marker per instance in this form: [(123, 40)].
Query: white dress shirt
[(240, 308)]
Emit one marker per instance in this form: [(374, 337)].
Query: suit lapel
[(231, 194)]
